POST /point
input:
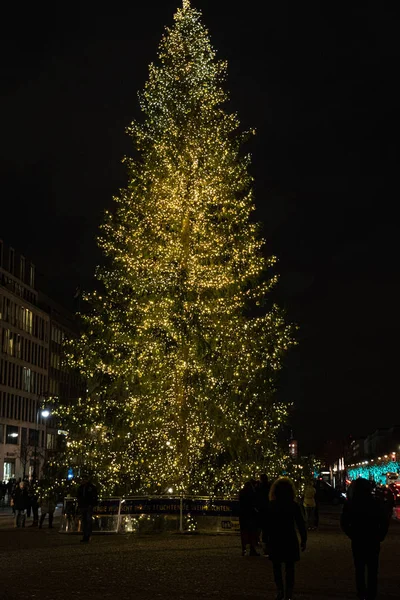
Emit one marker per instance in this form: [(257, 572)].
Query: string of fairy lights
[(375, 469), (180, 350)]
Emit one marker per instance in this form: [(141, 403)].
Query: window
[(10, 343), (7, 341), (32, 276), (51, 441), (1, 430), (18, 371), (7, 306), (33, 437), (9, 470), (24, 435), (18, 346), (34, 377), (22, 268), (55, 361), (12, 434), (31, 411), (3, 371), (26, 380), (11, 367), (13, 310), (26, 318), (11, 260), (1, 253)]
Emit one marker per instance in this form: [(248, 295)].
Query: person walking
[(20, 501), (47, 507), (248, 519), (365, 521), (87, 500), (262, 502), (284, 520), (309, 504), (33, 504), (3, 491), (11, 487)]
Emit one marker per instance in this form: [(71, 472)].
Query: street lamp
[(45, 414)]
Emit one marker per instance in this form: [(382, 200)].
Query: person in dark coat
[(262, 496), (366, 523), (87, 500), (33, 504), (248, 518), (284, 520), (20, 500)]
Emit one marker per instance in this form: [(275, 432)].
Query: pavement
[(46, 565)]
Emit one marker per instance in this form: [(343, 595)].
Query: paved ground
[(46, 565)]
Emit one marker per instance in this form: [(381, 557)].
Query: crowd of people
[(272, 519), (26, 498)]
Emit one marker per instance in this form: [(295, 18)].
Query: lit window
[(26, 320), (12, 434), (8, 342)]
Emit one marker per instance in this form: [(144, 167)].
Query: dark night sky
[(320, 86)]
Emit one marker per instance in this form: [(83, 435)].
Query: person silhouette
[(366, 523), (284, 517), (87, 500)]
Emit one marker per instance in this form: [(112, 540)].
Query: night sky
[(320, 86)]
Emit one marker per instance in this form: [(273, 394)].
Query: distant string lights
[(375, 469)]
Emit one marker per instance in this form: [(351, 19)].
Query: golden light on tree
[(180, 354)]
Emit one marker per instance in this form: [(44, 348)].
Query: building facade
[(382, 442), (31, 370), (62, 381)]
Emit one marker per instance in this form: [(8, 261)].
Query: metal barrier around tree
[(156, 514)]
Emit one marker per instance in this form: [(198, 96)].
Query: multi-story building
[(31, 332), (356, 449), (62, 381)]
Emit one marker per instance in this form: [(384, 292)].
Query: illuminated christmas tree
[(180, 350)]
